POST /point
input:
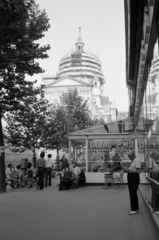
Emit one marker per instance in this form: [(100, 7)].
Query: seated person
[(11, 175), (20, 174), (117, 170), (82, 178), (76, 172), (116, 157), (29, 174), (9, 171), (116, 167), (66, 177)]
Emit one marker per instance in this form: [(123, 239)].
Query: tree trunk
[(2, 160), (58, 163), (34, 159)]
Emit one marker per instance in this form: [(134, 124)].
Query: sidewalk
[(91, 213)]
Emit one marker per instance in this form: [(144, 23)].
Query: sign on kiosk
[(126, 144)]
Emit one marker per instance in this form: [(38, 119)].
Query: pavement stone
[(90, 213)]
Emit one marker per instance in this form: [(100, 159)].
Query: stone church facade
[(82, 70)]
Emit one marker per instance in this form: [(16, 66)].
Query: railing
[(153, 199)]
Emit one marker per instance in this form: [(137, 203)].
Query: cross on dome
[(79, 31)]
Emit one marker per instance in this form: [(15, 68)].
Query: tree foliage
[(78, 116), (55, 134), (71, 115), (22, 24), (25, 126)]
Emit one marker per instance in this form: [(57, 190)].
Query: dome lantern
[(79, 43)]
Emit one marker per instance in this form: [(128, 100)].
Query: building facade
[(82, 70), (150, 108)]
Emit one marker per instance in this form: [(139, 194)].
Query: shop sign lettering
[(123, 144), (109, 144)]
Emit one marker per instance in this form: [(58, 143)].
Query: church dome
[(80, 64)]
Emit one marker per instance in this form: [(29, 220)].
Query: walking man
[(41, 165), (49, 166)]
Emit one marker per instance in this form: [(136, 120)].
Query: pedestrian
[(48, 170), (133, 181), (64, 161), (41, 165)]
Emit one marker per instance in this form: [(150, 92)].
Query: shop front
[(142, 80), (95, 150)]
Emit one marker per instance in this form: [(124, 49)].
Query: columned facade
[(82, 70)]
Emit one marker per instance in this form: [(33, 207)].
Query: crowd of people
[(72, 174), (18, 176), (42, 173)]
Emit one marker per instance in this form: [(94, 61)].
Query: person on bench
[(76, 173), (29, 175), (66, 178), (11, 176), (82, 178), (20, 174)]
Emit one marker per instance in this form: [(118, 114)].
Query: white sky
[(103, 32)]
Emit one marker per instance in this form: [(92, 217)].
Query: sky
[(103, 32)]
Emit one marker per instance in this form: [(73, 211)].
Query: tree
[(22, 24), (76, 109), (25, 126), (55, 132), (71, 115)]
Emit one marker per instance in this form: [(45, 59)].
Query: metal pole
[(136, 145), (69, 150), (86, 155)]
